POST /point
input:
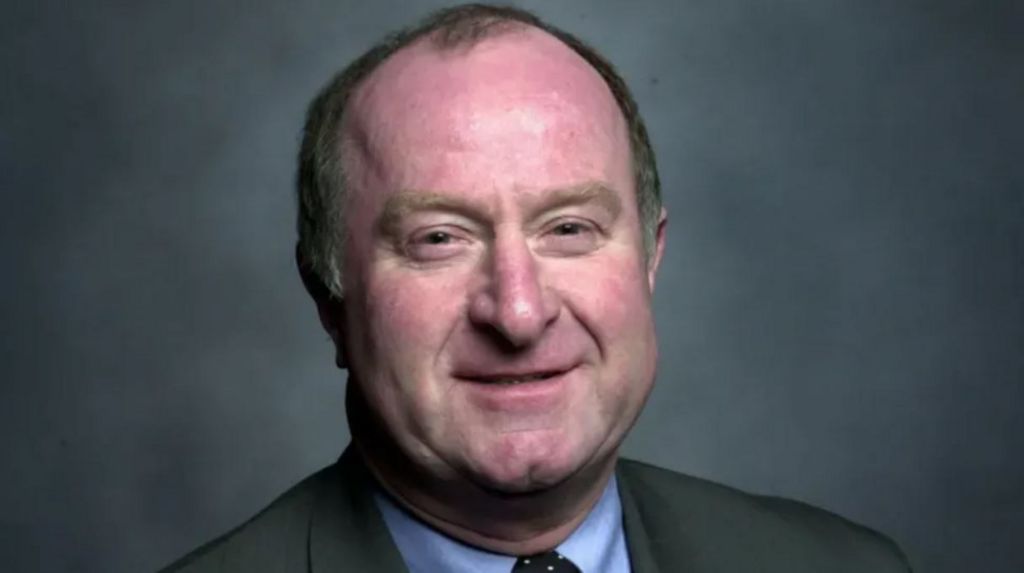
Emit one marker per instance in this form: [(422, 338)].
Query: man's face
[(497, 305)]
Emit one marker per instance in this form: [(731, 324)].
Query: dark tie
[(550, 562)]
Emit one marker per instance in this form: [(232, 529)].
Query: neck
[(509, 523), (513, 524)]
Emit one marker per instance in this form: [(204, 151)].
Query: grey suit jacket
[(329, 523)]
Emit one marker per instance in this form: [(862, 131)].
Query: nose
[(513, 303)]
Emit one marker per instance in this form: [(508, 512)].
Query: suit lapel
[(638, 539), (346, 531)]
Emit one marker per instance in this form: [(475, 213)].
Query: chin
[(522, 471), (520, 483)]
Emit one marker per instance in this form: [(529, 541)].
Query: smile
[(512, 379)]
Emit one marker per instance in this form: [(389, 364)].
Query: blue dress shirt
[(598, 545)]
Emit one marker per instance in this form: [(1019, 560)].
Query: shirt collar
[(593, 546)]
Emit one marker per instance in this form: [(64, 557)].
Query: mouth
[(523, 394), (512, 379)]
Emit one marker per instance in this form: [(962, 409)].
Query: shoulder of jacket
[(771, 528), (276, 535)]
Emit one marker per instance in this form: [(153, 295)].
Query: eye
[(570, 237), (435, 244), (568, 228), (437, 238)]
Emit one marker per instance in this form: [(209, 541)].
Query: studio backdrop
[(840, 308)]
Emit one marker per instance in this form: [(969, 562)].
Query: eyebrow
[(401, 204), (589, 192)]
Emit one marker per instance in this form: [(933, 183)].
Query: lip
[(507, 377), (543, 390), (487, 370)]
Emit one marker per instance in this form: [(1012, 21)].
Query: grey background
[(841, 308)]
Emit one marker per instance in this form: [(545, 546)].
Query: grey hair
[(321, 178)]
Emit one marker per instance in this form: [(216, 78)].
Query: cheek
[(396, 314), (611, 301), (609, 296), (409, 322), (411, 318)]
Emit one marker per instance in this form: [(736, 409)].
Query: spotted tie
[(550, 562)]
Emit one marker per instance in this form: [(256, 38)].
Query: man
[(480, 227)]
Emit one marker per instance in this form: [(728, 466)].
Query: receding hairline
[(445, 42), (441, 43)]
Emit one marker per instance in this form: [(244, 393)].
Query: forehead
[(498, 96), (514, 61)]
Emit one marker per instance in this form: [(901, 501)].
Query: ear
[(659, 249), (330, 308)]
